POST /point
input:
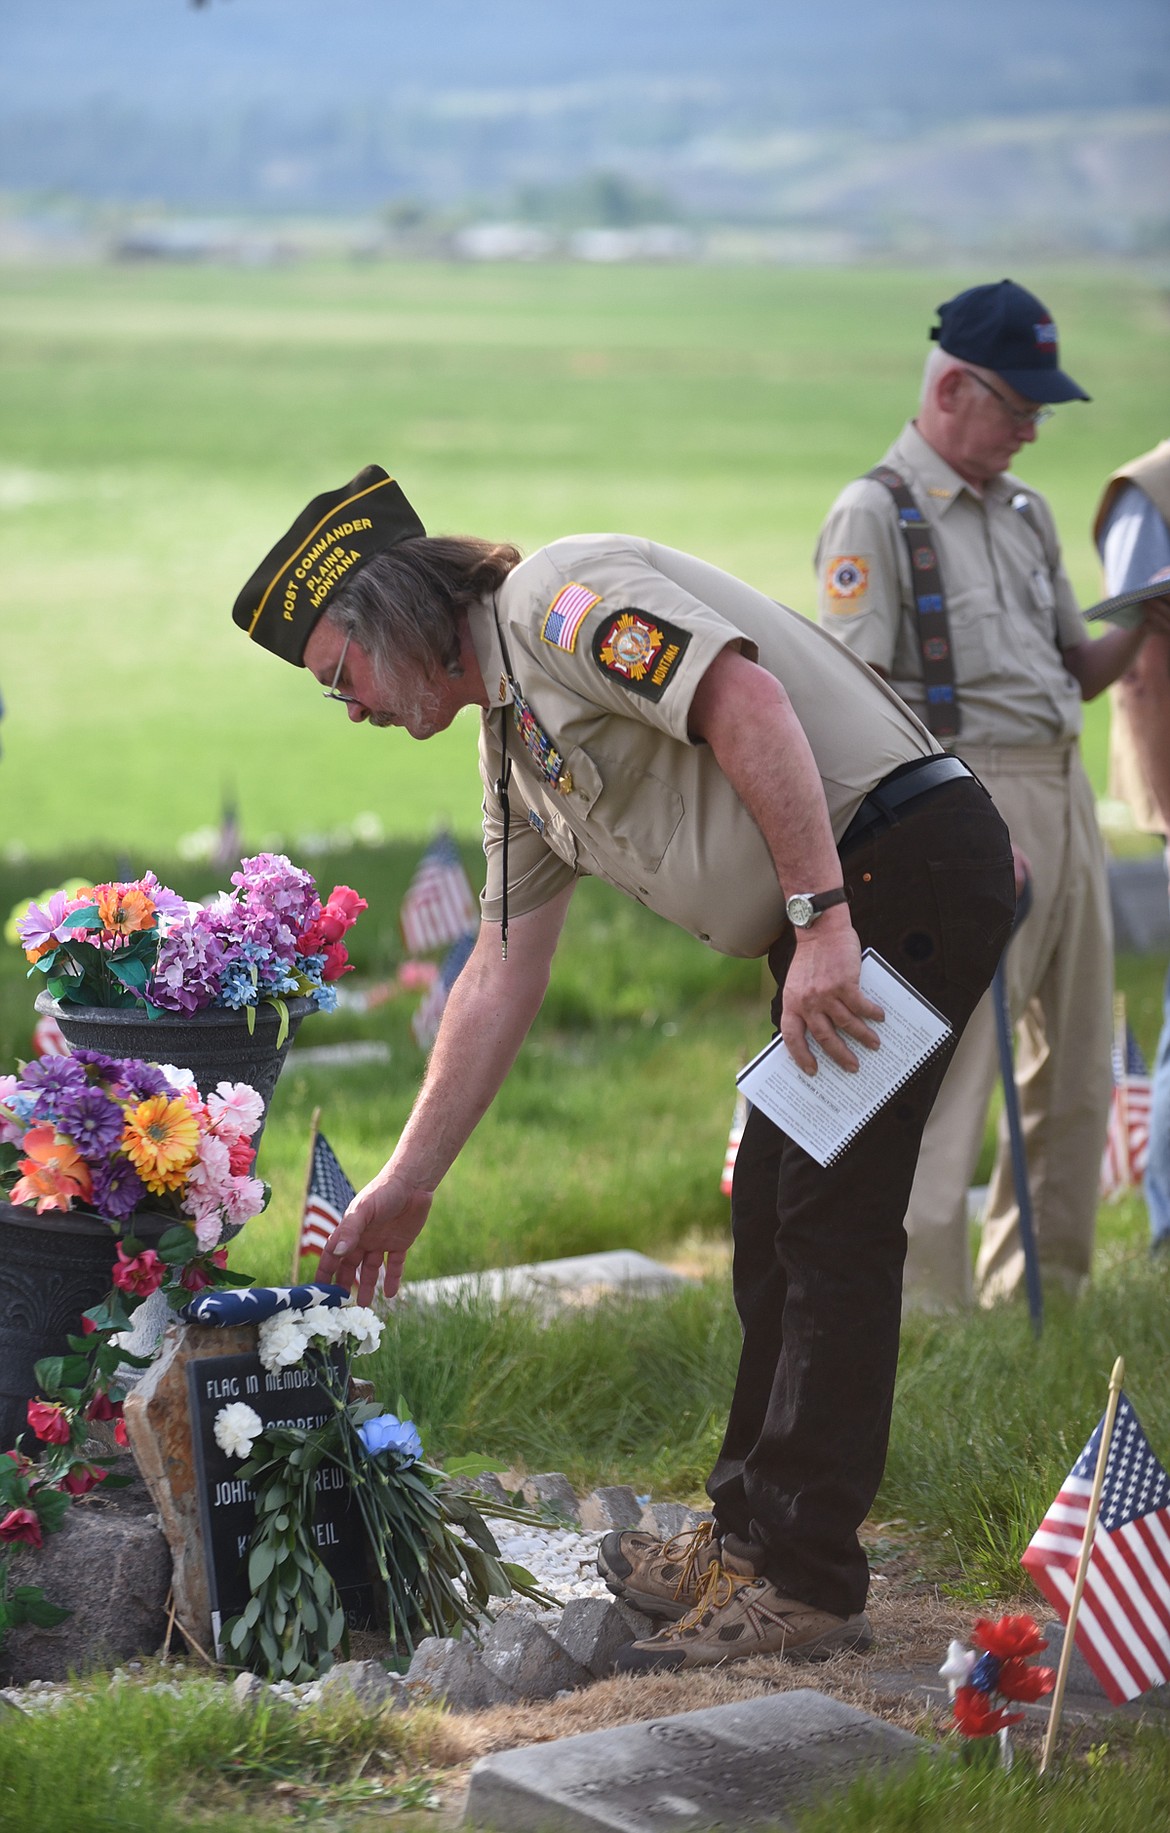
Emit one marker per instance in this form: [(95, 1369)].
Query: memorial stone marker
[(286, 1397), (750, 1764)]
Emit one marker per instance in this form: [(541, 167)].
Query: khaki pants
[(1060, 981)]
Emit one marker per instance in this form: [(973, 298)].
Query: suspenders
[(934, 637)]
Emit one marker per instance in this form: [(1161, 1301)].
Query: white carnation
[(283, 1340), (364, 1326), (236, 1429)]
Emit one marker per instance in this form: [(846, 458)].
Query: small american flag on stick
[(328, 1194), (1127, 1142), (439, 905), (425, 1023), (1122, 1626)]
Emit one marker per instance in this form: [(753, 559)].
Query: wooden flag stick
[(1070, 1629), (296, 1260)]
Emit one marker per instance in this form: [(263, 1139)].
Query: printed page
[(823, 1112)]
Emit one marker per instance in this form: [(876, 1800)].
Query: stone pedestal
[(158, 1421), (110, 1566)]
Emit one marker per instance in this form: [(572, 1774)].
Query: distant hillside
[(887, 120)]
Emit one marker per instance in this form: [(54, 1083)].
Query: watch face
[(800, 912)]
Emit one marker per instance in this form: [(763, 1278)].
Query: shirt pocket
[(635, 814)]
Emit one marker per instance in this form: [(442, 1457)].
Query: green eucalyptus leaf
[(261, 1561)]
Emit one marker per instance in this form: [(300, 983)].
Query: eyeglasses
[(1022, 416), (330, 692)]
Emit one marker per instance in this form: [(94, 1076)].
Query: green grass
[(163, 426), (157, 1758), (1115, 1788)]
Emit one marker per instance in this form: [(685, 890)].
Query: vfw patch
[(846, 578), (642, 651)]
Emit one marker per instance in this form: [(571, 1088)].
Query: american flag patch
[(566, 614)]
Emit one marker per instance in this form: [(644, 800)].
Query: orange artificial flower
[(54, 1174), (124, 909), (161, 1140)]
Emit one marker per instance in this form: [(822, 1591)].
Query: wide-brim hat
[(1005, 328), (328, 543)]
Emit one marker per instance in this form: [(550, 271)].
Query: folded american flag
[(252, 1304)]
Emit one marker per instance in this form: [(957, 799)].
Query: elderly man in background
[(649, 720), (943, 571), (1132, 532)]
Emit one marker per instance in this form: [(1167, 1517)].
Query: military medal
[(539, 745)]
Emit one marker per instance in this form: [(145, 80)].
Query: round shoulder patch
[(846, 579)]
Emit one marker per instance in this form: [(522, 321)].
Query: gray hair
[(939, 362), (405, 604)]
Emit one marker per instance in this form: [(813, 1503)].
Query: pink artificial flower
[(208, 1230), (140, 1274), (336, 963), (236, 1110), (195, 1276), (102, 1407), (241, 1157), (417, 976), (21, 1524), (245, 1200), (23, 1464), (11, 1129), (82, 1478), (121, 1437), (49, 1421)]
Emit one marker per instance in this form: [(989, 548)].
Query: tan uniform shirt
[(608, 637), (1010, 607)]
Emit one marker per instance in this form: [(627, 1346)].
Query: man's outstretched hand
[(379, 1227)]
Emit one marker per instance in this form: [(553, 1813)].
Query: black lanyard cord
[(502, 782)]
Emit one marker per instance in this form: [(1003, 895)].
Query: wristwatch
[(806, 906)]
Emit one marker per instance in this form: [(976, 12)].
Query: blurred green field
[(162, 426)]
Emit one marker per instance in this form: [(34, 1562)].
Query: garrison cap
[(324, 548), (1005, 328)]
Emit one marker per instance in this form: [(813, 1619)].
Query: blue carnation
[(389, 1433)]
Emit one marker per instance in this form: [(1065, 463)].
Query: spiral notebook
[(824, 1113)]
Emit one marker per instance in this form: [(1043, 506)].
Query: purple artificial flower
[(42, 924), (117, 1189), (49, 1078), (270, 881), (139, 1081), (168, 903), (187, 968), (108, 1069), (92, 1121), (126, 1076)]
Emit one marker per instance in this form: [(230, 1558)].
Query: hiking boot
[(661, 1578), (738, 1617)]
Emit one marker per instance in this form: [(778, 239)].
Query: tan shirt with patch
[(1010, 607), (608, 637)]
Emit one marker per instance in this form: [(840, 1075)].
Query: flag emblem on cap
[(566, 614), (1046, 332)]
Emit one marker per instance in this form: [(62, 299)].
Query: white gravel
[(563, 1561)]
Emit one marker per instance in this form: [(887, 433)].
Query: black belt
[(903, 785)]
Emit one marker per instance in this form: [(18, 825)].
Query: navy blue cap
[(1005, 328)]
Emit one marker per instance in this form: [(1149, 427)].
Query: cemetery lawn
[(163, 425)]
